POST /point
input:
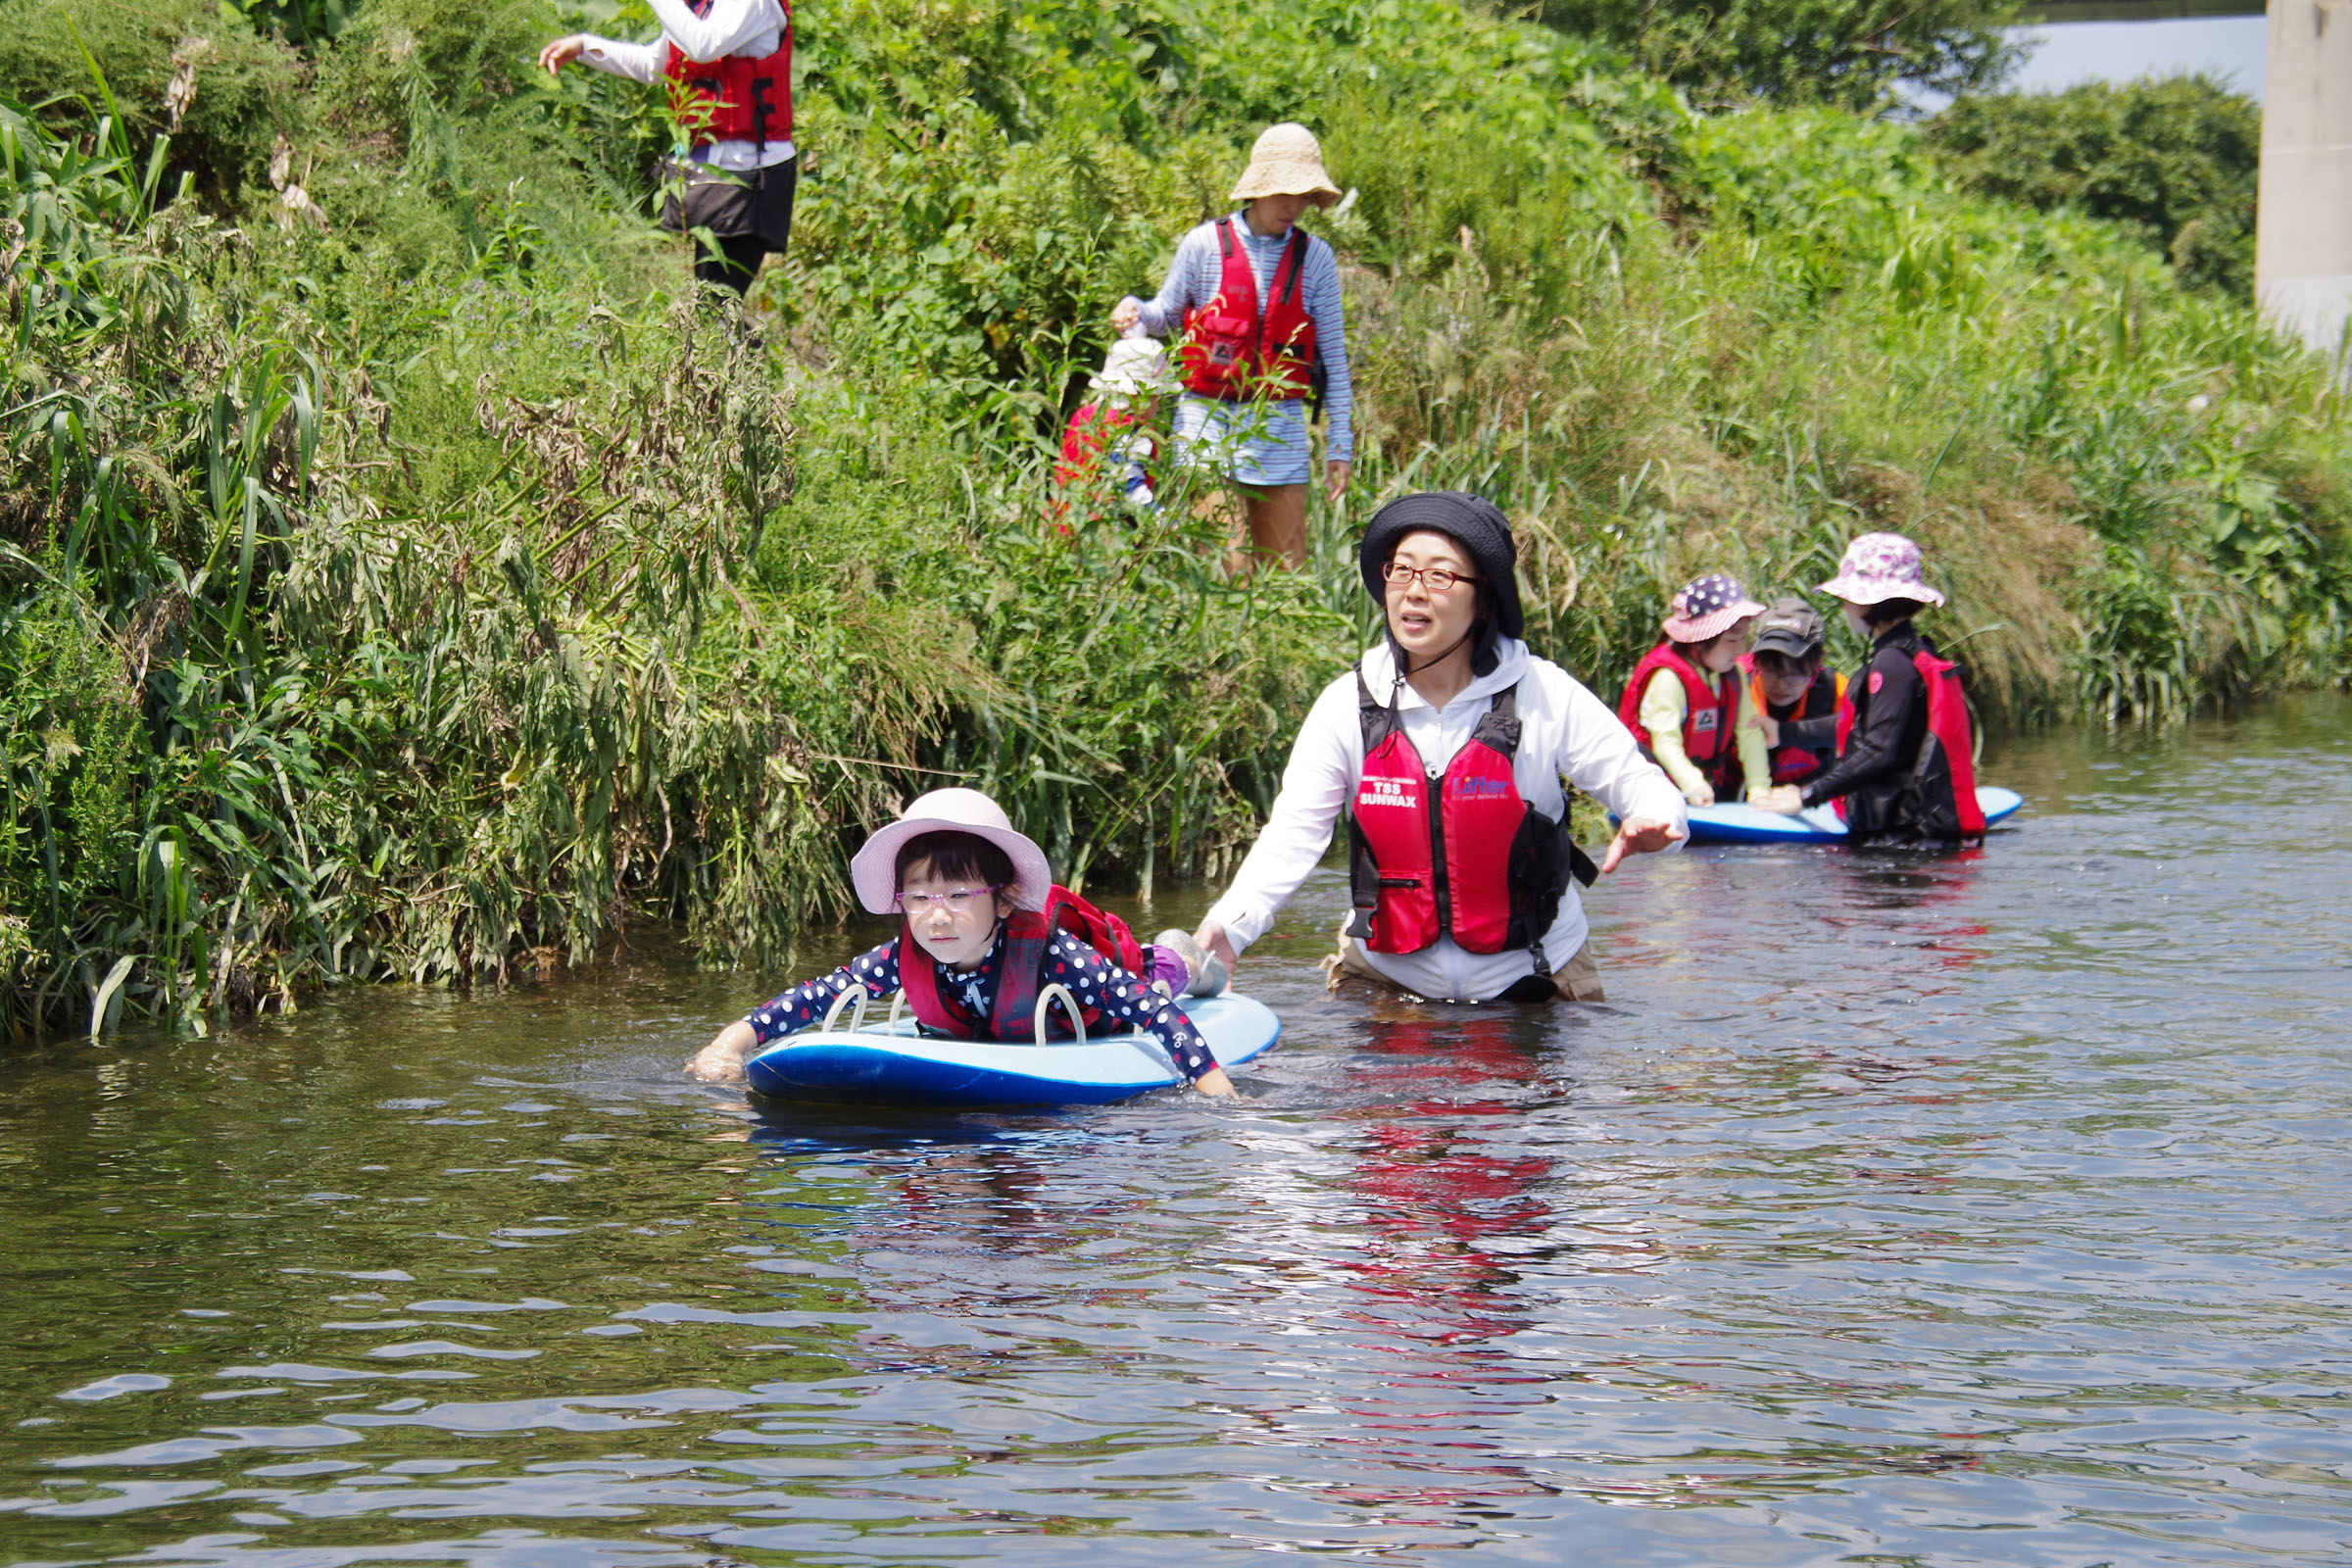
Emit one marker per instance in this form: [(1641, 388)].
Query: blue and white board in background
[(891, 1063), (1744, 824)]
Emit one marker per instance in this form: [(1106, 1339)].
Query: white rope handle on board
[(1069, 1005), (856, 994)]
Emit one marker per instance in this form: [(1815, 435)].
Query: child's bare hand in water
[(721, 1060), (1215, 1084)]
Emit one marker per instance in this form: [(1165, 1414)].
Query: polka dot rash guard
[(1100, 985)]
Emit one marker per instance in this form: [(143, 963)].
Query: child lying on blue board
[(989, 930)]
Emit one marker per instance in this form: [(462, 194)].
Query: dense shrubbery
[(1798, 51), (2173, 159), (419, 587)]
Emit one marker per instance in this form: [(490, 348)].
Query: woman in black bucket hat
[(1445, 747)]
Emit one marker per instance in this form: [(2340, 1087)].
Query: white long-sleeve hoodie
[(725, 28), (1565, 733)]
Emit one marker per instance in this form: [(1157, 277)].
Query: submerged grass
[(413, 583)]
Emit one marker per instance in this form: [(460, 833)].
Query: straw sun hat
[(1287, 160)]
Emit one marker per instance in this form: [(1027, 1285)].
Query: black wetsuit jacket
[(1890, 724)]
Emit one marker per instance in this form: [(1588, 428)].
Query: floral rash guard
[(1100, 985)]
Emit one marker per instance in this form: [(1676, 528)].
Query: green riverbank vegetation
[(402, 578)]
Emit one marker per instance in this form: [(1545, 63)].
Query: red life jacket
[(735, 97), (1938, 798), (1708, 713), (1793, 764), (1088, 435), (1020, 971), (1484, 867), (1232, 350)]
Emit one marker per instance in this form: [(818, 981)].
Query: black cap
[(1476, 523), (1792, 627)]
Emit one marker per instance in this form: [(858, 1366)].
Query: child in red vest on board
[(1906, 746), (982, 930), (1791, 698), (1685, 702)]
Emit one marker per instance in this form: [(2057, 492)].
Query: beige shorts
[(1577, 980)]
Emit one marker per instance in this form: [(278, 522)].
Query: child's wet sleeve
[(806, 1003), (1101, 985), (1663, 709)]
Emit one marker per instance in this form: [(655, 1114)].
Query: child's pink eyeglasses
[(955, 901)]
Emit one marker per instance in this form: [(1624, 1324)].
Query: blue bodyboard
[(1742, 823), (891, 1063)]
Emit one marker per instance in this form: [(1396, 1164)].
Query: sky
[(2072, 51)]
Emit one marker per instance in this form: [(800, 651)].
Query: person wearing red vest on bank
[(1792, 699), (982, 930), (1254, 302), (1906, 746), (728, 65), (1444, 749), (1685, 702)]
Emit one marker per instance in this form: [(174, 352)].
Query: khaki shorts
[(1577, 980)]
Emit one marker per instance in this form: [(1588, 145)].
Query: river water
[(1973, 1211)]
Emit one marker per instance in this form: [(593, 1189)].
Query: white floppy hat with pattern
[(1879, 566), (874, 871), (1287, 160)]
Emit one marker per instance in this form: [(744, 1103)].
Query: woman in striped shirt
[(1249, 363)]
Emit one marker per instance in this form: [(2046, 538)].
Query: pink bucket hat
[(874, 872), (1879, 566), (1708, 608)]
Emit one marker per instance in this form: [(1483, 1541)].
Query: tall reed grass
[(433, 590)]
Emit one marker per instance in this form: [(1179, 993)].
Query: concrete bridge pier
[(2303, 242)]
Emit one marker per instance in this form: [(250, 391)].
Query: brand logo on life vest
[(1704, 721), (1481, 789), (1383, 792), (1878, 678)]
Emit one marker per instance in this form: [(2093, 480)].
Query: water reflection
[(1924, 1211)]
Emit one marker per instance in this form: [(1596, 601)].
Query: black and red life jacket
[(1936, 799), (1484, 867), (1020, 972), (735, 97), (1793, 764), (1710, 712), (1232, 350)]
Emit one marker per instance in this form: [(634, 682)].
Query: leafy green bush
[(2173, 159), (474, 593), (1800, 51), (243, 84)]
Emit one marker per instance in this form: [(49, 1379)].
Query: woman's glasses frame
[(1436, 579)]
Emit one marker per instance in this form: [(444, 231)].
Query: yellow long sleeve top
[(1663, 710)]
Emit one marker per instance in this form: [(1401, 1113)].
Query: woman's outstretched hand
[(1639, 835), (562, 52), (1216, 943)]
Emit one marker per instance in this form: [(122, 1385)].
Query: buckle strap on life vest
[(1499, 727), (1429, 857)]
